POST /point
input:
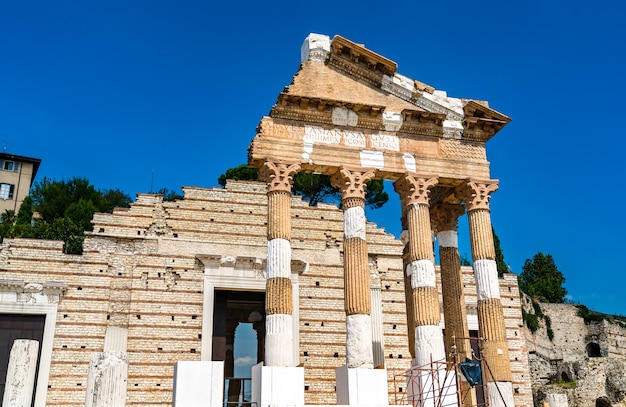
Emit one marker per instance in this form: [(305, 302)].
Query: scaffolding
[(441, 383)]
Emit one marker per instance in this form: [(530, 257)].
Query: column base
[(277, 385), (198, 383), (362, 387), (501, 394)]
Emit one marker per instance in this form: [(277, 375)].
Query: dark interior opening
[(18, 326)]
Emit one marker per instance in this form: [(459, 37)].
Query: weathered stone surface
[(565, 358), (20, 379), (106, 381)]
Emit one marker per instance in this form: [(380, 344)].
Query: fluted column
[(278, 295), (495, 350), (357, 300), (414, 194), (445, 218), (408, 290)]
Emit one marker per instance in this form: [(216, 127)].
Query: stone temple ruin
[(344, 313)]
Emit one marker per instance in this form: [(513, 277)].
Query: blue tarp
[(471, 371)]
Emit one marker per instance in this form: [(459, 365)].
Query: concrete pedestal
[(198, 383), (20, 380), (277, 386), (362, 387)]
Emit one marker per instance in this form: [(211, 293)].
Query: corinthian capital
[(414, 189), (279, 176), (445, 216), (476, 194), (352, 184)]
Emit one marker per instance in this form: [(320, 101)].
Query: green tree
[(25, 214), (500, 263), (314, 188), (8, 217), (541, 279), (66, 209), (171, 195), (239, 173)]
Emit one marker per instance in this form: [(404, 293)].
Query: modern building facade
[(17, 174)]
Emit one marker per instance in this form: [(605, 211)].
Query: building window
[(10, 166), (6, 191)]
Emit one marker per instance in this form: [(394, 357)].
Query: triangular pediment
[(348, 106), (342, 73)]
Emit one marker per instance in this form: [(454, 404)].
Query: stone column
[(430, 384), (408, 290), (445, 217), (358, 384), (357, 300), (414, 194), (495, 349), (376, 314), (106, 381), (20, 379), (278, 294)]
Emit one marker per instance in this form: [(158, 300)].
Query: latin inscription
[(384, 142), (350, 138)]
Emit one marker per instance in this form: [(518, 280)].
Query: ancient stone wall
[(564, 365), (140, 272)]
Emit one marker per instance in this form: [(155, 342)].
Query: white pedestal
[(277, 386), (198, 383), (362, 387)]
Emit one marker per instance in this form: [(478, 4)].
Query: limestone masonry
[(344, 312)]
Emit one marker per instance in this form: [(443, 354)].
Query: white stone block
[(452, 129), (373, 159), (277, 386), (315, 48), (422, 273), (198, 383), (107, 380), (362, 387), (409, 162), (115, 339), (354, 222), (501, 394), (392, 121), (20, 379), (427, 388), (429, 345), (556, 400), (448, 238), (279, 340), (486, 275), (343, 116), (359, 353), (278, 258)]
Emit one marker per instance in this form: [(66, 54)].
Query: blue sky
[(121, 92)]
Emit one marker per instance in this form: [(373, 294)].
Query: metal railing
[(238, 392)]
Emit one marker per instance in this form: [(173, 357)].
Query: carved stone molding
[(352, 185), (476, 194), (445, 216), (246, 263), (414, 189), (279, 176), (33, 293)]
